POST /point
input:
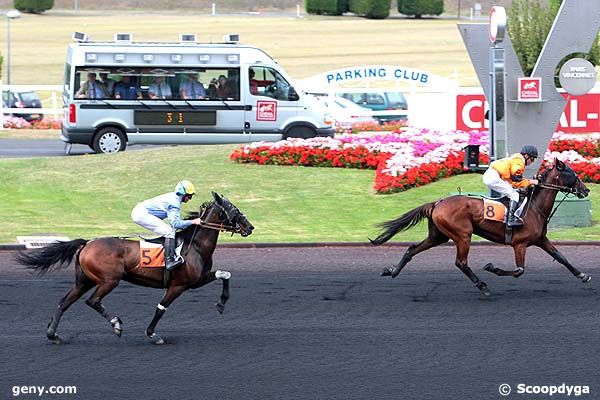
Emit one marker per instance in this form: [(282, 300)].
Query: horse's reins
[(558, 188), (221, 227)]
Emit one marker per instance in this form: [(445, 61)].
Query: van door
[(268, 108)]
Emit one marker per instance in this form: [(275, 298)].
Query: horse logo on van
[(530, 85), (266, 111)]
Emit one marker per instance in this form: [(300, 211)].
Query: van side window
[(268, 82)]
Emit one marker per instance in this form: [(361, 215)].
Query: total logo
[(580, 115)]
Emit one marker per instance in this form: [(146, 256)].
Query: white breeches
[(492, 180), (142, 217)]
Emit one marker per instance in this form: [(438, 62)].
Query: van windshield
[(136, 83)]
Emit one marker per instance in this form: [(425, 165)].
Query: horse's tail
[(58, 254), (402, 223)]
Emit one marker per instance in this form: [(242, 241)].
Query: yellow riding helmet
[(185, 187)]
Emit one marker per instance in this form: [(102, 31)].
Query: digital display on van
[(175, 118)]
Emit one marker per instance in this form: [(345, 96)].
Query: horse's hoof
[(518, 272), (585, 278), (387, 272), (489, 267), (116, 324), (155, 339), (55, 339), (220, 307), (485, 292)]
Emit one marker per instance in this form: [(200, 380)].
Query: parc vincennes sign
[(528, 120)]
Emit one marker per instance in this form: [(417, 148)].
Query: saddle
[(496, 209), (152, 252)]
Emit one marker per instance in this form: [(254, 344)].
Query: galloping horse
[(459, 217), (103, 262)]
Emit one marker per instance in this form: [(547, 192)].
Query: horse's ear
[(217, 197), (559, 164)]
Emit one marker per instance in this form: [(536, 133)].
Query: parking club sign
[(530, 89)]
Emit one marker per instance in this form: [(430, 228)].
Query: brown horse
[(102, 263), (459, 217)]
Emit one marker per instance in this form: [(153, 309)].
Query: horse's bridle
[(558, 188)]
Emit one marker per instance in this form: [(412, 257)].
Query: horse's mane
[(196, 214)]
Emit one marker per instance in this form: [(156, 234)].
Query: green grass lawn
[(91, 196), (303, 46), (29, 134)]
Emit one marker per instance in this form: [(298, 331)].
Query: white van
[(181, 93)]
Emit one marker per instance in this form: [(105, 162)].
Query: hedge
[(375, 9), (33, 6), (420, 7)]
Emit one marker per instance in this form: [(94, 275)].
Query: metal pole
[(8, 50)]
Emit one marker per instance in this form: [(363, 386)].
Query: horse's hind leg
[(82, 285), (549, 248), (462, 253), (435, 238), (519, 261), (95, 301)]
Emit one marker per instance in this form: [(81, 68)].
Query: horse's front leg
[(520, 251), (224, 276), (173, 292), (549, 248)]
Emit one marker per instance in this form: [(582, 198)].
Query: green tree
[(418, 8), (33, 6), (529, 24)]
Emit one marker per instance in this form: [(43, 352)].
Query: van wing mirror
[(292, 94)]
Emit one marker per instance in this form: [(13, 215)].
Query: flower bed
[(411, 157), (20, 123)]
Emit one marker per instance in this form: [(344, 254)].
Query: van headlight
[(327, 119)]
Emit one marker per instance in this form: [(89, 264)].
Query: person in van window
[(92, 89), (127, 89), (223, 90), (108, 83), (159, 89), (212, 89), (192, 89)]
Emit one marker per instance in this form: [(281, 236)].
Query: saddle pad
[(493, 210), (152, 255)]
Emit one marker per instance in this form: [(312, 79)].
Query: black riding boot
[(170, 258), (513, 220)]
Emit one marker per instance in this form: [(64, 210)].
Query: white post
[(214, 9), (54, 103), (471, 17), (75, 5), (298, 10), (2, 111)]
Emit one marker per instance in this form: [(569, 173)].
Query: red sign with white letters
[(581, 114), (266, 110), (530, 89)]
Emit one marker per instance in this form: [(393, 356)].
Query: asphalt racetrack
[(317, 323)]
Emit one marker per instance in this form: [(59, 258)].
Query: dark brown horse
[(102, 263), (459, 217)]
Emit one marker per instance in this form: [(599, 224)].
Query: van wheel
[(302, 132), (109, 140)]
